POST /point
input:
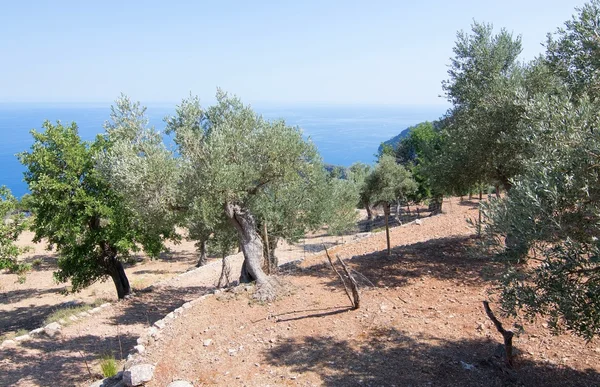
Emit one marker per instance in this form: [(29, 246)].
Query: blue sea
[(343, 134)]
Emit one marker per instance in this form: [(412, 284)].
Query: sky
[(267, 52)]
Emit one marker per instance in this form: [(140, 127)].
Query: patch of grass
[(138, 284), (36, 263), (12, 335), (65, 313), (109, 366)]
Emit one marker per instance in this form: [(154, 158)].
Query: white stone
[(18, 339), (95, 310), (105, 305), (170, 315), (160, 324), (140, 349), (187, 305), (36, 332), (8, 343), (152, 331), (180, 383), (178, 311), (53, 325), (73, 318), (83, 314), (142, 341), (207, 342), (138, 374), (62, 321)]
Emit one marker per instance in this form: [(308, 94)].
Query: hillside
[(420, 323), (394, 141)]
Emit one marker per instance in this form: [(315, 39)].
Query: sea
[(343, 134)]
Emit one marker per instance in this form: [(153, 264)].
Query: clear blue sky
[(333, 52)]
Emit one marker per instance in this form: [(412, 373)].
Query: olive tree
[(242, 162), (554, 211), (78, 212), (389, 182), (12, 224)]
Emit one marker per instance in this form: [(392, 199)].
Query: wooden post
[(386, 210)]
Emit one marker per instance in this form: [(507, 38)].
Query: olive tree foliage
[(140, 167), (357, 175), (573, 52), (389, 182), (554, 211), (486, 88), (12, 224), (78, 211), (553, 208), (255, 171)]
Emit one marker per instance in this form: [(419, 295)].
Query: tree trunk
[(497, 191), (252, 248), (117, 273), (369, 211), (398, 212), (386, 211), (202, 260), (436, 205)]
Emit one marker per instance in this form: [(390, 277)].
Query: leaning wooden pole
[(386, 210)]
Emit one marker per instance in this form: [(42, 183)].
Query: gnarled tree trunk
[(202, 259), (117, 273), (252, 248)]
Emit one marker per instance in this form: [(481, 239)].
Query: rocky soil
[(420, 323)]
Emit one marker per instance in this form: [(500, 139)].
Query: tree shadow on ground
[(452, 258), (42, 262), (394, 358), (178, 256), (18, 295), (59, 361), (469, 203), (31, 317), (152, 304)]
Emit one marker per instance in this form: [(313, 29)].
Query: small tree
[(12, 223), (388, 183), (78, 212)]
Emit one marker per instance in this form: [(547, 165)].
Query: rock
[(95, 310), (18, 339), (418, 222), (152, 331), (180, 383), (83, 314), (160, 324), (142, 341), (73, 318), (62, 321), (52, 329), (53, 326), (138, 374), (187, 305), (36, 332), (105, 305), (140, 349), (9, 344), (170, 315), (207, 342), (467, 366)]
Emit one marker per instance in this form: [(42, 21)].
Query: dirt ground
[(422, 324)]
